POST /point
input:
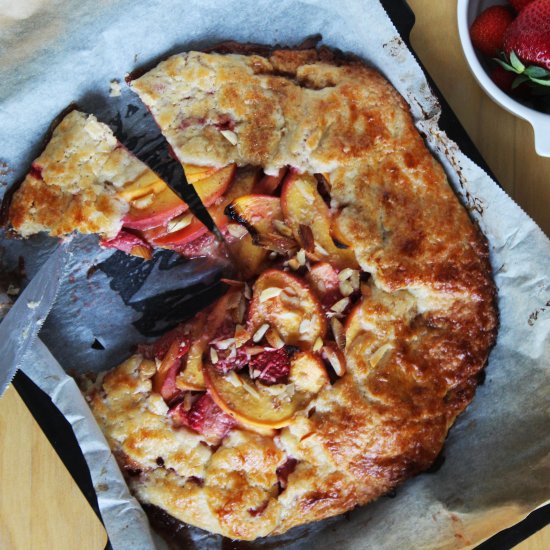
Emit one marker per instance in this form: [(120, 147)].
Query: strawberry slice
[(204, 417), (273, 366), (285, 470), (159, 348)]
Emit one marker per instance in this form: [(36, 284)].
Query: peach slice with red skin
[(242, 183), (288, 305), (269, 184), (258, 214), (268, 406), (304, 208), (324, 280), (160, 204)]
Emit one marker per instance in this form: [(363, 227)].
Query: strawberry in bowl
[(507, 45)]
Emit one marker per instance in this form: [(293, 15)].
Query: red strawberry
[(519, 4), (205, 417), (529, 35), (487, 31), (273, 365)]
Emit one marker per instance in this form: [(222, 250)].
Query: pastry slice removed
[(86, 181)]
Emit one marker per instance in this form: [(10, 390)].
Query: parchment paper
[(497, 457)]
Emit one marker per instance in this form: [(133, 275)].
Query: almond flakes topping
[(341, 305), (270, 293), (229, 136), (178, 223), (259, 334)]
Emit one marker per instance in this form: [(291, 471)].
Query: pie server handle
[(20, 327)]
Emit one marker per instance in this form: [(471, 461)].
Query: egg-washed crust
[(73, 184), (415, 342)]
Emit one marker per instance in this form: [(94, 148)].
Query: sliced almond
[(214, 356), (282, 228), (229, 136), (225, 344), (335, 361), (338, 331), (289, 291), (247, 291), (346, 288), (378, 355), (254, 350), (158, 362), (345, 274), (181, 222), (276, 389), (290, 301), (236, 230), (270, 293), (251, 389), (234, 379), (259, 334), (241, 310), (305, 326), (293, 264), (242, 336), (318, 344), (340, 305), (143, 202), (301, 256), (320, 250), (274, 339)]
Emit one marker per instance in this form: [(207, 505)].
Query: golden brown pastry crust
[(415, 343), (73, 184)]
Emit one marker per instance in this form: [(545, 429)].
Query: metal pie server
[(20, 327)]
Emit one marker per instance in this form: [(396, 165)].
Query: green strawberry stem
[(531, 73)]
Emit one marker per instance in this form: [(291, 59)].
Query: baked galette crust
[(414, 343)]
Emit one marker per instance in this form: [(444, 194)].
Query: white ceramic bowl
[(467, 11)]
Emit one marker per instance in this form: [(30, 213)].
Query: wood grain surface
[(40, 505)]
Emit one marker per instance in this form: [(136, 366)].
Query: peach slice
[(160, 204), (325, 282), (262, 216), (146, 183), (269, 184), (154, 209), (248, 256), (287, 304), (258, 405), (304, 209), (195, 173)]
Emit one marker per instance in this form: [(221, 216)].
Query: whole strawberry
[(529, 35), (520, 4), (487, 31)]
